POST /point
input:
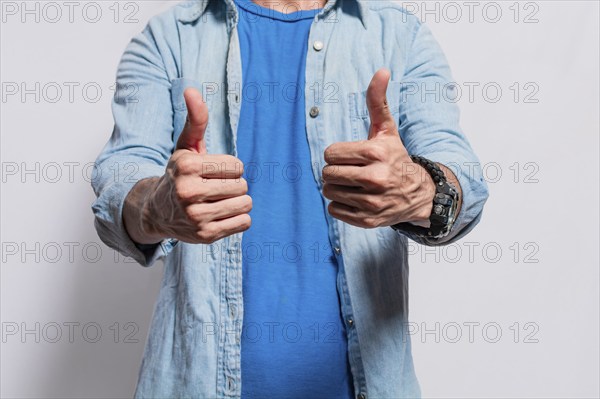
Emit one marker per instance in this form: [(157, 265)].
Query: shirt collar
[(191, 10)]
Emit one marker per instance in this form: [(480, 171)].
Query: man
[(278, 155)]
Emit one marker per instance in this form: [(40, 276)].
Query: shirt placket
[(319, 39), (229, 382)]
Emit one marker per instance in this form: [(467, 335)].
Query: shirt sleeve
[(139, 147), (429, 127)]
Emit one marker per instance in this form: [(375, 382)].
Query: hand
[(201, 197), (374, 182)]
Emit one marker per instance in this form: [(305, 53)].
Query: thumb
[(382, 121), (192, 136)]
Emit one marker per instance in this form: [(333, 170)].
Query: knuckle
[(247, 204), (184, 165), (175, 158), (332, 209), (244, 185), (370, 222), (327, 191), (374, 152), (238, 165), (246, 222), (191, 213), (328, 154), (207, 235), (330, 171), (380, 179), (373, 203), (182, 190)]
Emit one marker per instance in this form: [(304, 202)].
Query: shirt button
[(314, 112), (337, 250), (318, 45), (350, 322), (361, 396)]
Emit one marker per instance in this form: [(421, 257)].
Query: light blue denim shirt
[(193, 347)]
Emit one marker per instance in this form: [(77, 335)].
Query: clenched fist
[(374, 182), (201, 198)]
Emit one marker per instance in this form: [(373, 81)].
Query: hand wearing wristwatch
[(444, 207)]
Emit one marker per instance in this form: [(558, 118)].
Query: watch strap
[(444, 204)]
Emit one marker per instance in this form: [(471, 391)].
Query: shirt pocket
[(178, 86), (359, 113)]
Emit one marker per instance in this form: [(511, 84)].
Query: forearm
[(137, 216)]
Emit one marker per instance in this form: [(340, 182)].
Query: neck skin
[(289, 6)]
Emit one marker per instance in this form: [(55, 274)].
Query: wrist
[(139, 213), (150, 224), (444, 207), (426, 196)]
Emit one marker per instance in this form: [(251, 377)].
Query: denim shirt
[(193, 346)]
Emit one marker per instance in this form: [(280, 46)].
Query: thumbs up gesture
[(201, 197), (374, 182)]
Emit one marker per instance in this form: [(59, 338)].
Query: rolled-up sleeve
[(429, 126), (139, 147)]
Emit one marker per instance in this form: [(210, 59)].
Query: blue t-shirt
[(293, 338)]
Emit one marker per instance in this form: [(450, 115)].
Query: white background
[(528, 272)]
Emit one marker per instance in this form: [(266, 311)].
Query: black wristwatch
[(445, 204)]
